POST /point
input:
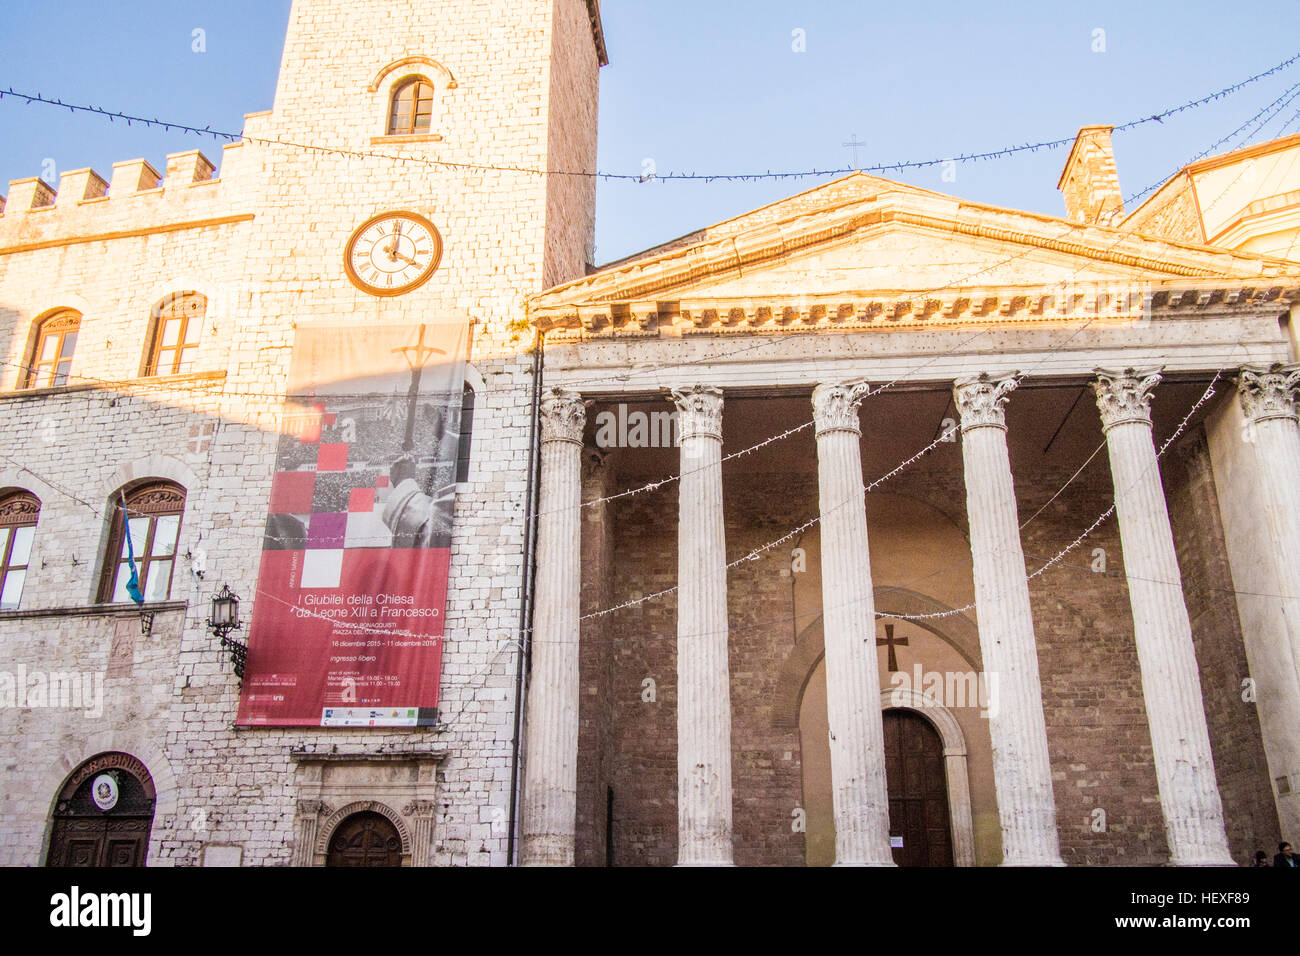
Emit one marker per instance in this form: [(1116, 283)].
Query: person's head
[(1284, 848), (1261, 856)]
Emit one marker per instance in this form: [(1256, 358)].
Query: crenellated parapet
[(134, 199)]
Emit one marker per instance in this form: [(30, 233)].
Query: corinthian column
[(703, 681), (1268, 399), (857, 737), (1171, 684), (551, 741), (1022, 773)]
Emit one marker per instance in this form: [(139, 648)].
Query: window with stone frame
[(153, 515), (175, 329), (412, 107), (50, 358), (19, 511)]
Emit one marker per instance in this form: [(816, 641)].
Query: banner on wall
[(348, 621)]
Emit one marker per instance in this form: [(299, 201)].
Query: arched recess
[(957, 630), (956, 772), (386, 84), (82, 833), (332, 822)]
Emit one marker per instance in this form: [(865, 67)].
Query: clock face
[(392, 253)]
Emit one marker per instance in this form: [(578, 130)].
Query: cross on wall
[(891, 642)]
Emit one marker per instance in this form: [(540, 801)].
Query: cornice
[(891, 310), (669, 274)]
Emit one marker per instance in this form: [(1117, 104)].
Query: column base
[(855, 863), (1204, 861), (546, 851), (1045, 862), (706, 863)]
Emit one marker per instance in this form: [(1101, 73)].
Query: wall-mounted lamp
[(224, 618)]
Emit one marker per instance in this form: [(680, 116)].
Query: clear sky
[(713, 86)]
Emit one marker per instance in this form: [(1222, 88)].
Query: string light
[(970, 157)]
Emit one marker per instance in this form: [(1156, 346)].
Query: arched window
[(50, 357), (154, 511), (18, 513), (175, 329), (412, 108)]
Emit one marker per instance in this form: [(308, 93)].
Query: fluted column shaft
[(1171, 684), (1268, 399), (551, 738), (304, 847), (1022, 772), (857, 740), (704, 812)]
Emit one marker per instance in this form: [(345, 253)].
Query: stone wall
[(265, 243), (1108, 809)]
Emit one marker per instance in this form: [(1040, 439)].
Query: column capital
[(835, 406), (1268, 391), (1125, 397), (699, 411), (980, 400), (563, 416)]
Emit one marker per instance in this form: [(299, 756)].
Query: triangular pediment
[(861, 238)]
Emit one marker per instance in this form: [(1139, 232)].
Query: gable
[(871, 238)]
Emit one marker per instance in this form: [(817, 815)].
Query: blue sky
[(711, 86)]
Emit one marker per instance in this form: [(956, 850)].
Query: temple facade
[(871, 527)]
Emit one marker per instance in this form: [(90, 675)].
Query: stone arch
[(956, 773), (163, 467), (383, 87), (127, 740), (361, 806), (958, 631), (20, 479), (416, 63)]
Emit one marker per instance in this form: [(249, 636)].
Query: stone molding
[(699, 410), (1269, 392), (331, 823), (564, 416), (981, 399), (835, 406), (1125, 397)]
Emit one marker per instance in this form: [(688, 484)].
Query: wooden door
[(84, 834), (918, 790), (365, 839)]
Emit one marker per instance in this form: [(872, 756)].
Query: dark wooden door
[(918, 790), (365, 839), (85, 835)]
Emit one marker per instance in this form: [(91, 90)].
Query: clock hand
[(397, 255)]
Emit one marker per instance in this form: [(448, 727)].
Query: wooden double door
[(112, 832), (918, 791), (365, 839)]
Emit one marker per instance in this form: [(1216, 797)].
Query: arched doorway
[(103, 814), (365, 839), (918, 790)]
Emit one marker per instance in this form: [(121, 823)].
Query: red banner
[(348, 621)]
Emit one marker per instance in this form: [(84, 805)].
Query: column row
[(1185, 775)]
